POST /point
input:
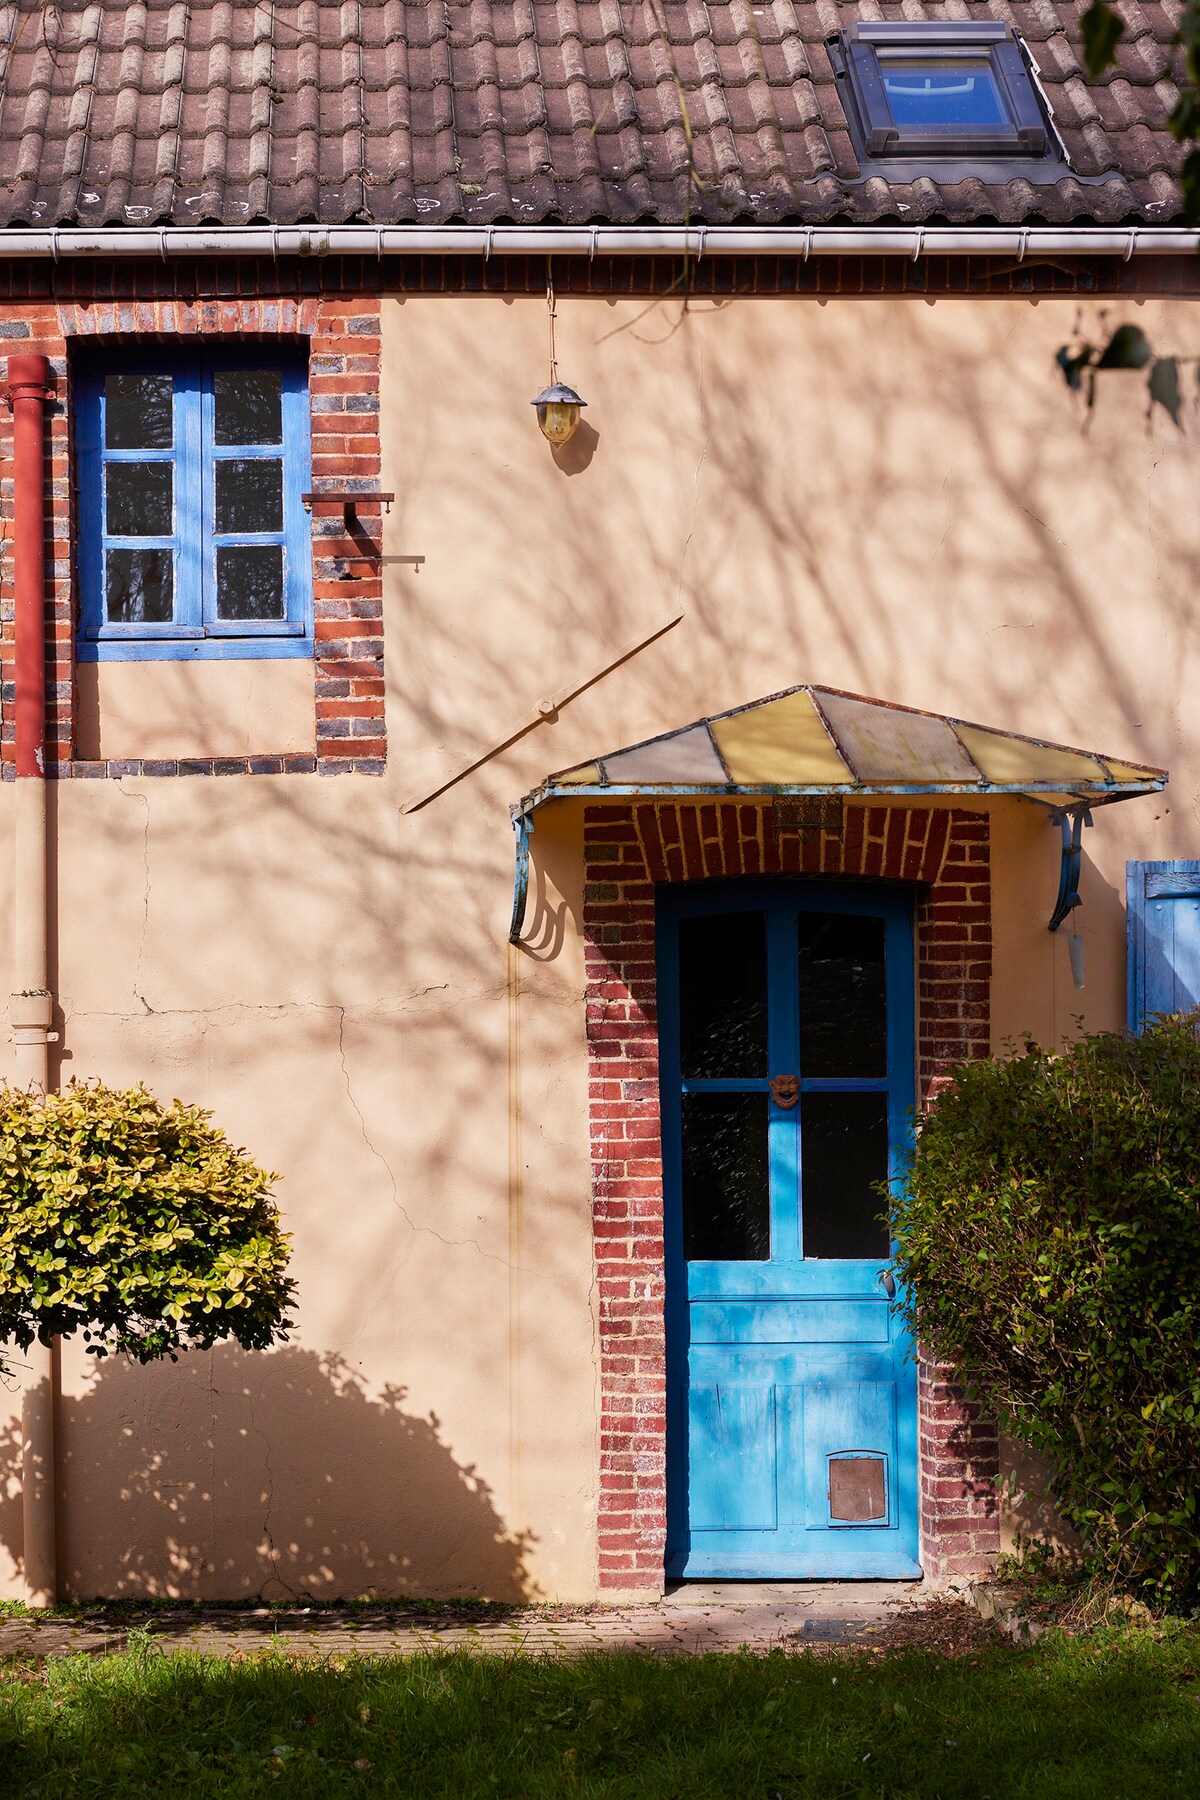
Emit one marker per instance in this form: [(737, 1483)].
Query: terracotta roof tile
[(165, 111)]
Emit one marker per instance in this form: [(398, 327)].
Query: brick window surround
[(628, 850), (342, 335)]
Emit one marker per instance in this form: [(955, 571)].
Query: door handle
[(889, 1283), (785, 1090)]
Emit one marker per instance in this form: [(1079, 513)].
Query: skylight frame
[(860, 55)]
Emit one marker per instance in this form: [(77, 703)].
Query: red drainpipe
[(29, 387)]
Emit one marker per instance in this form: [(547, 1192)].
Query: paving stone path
[(693, 1619)]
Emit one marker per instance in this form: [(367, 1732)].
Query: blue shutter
[(1163, 920)]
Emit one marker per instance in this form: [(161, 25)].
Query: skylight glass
[(942, 96)]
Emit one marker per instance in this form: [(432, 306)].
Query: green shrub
[(135, 1223), (1049, 1237)]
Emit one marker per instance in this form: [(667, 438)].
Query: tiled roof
[(623, 111)]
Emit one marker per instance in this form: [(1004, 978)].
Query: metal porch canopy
[(818, 740)]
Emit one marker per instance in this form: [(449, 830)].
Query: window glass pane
[(726, 1193), (139, 586), (137, 412), (950, 94), (843, 996), (723, 995), (249, 494), (249, 406), (843, 1153), (138, 499), (250, 581)]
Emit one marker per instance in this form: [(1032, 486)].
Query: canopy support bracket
[(523, 826), (1071, 821)]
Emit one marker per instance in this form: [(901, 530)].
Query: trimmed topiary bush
[(1049, 1239), (135, 1223)]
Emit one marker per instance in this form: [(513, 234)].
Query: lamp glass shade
[(558, 410)]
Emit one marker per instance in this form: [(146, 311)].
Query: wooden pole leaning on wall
[(32, 1005)]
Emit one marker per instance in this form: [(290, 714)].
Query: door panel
[(781, 1321), (730, 1490), (847, 1419), (787, 1082)]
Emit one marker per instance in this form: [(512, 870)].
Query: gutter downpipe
[(31, 1011), (911, 241)]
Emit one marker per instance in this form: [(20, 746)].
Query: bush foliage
[(135, 1223), (1049, 1239)]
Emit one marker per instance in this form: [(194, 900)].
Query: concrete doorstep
[(692, 1618)]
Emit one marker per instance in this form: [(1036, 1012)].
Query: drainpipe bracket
[(29, 374), (30, 1015)]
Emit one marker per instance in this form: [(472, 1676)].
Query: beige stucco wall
[(895, 498), (174, 709)]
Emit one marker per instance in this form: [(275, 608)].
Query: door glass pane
[(139, 586), (138, 499), (726, 1197), (723, 995), (249, 406), (249, 493), (137, 412), (250, 581), (843, 1154), (843, 999)]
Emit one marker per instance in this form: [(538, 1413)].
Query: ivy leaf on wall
[(1073, 363), (1164, 388), (1128, 348), (1102, 32)]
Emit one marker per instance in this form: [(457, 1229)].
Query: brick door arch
[(628, 851)]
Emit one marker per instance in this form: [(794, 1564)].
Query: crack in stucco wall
[(687, 542), (144, 801), (269, 1550), (377, 1153)]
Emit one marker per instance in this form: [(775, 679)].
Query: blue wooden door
[(1163, 921), (787, 1084)]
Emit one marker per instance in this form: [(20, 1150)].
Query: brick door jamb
[(629, 850)]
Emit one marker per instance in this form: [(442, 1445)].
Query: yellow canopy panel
[(816, 740)]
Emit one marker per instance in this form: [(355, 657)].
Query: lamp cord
[(553, 316)]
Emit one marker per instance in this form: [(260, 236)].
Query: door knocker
[(785, 1090)]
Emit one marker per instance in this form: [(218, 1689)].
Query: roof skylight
[(946, 89)]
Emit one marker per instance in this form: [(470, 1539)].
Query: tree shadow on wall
[(232, 1474)]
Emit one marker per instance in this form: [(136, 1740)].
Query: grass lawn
[(1115, 1715)]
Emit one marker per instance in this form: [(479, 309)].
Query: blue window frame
[(193, 539)]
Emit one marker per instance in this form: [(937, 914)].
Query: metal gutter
[(912, 241)]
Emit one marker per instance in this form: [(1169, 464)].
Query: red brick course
[(342, 333), (628, 849)]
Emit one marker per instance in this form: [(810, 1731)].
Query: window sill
[(164, 649)]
